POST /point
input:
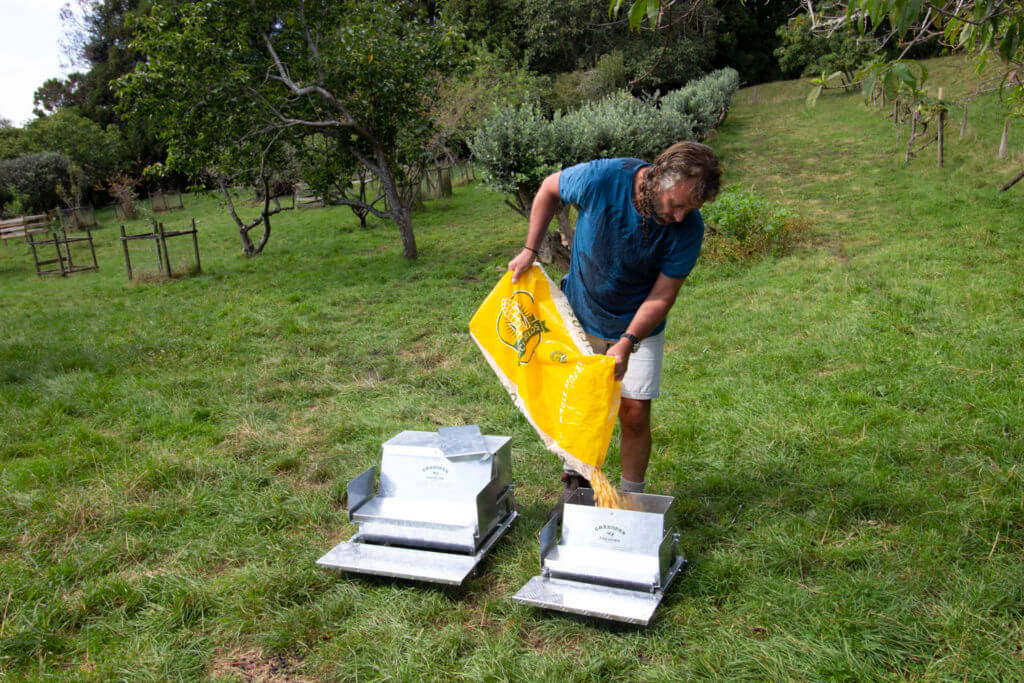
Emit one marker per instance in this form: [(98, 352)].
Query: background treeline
[(558, 57)]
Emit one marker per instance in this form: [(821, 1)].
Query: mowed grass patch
[(841, 427)]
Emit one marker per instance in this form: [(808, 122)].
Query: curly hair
[(681, 161)]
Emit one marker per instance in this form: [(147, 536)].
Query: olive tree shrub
[(518, 147)]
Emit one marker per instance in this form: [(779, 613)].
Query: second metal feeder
[(444, 500), (611, 564)]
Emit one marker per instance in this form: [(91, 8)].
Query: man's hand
[(620, 351), (521, 263)]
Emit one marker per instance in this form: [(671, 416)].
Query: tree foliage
[(100, 39), (34, 182), (986, 29), (231, 86), (841, 53), (693, 37)]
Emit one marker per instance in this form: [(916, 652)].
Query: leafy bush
[(705, 101), (37, 179), (518, 146), (742, 223), (621, 125)]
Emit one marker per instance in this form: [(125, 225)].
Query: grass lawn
[(842, 428)]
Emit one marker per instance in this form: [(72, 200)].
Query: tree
[(982, 28), (55, 94), (231, 85), (98, 152), (36, 181), (573, 35), (840, 53)]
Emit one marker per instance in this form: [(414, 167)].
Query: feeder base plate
[(410, 563), (594, 600)]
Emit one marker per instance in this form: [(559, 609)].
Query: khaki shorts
[(643, 374)]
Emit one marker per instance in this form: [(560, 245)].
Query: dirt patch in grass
[(253, 665), (545, 642), (427, 360)]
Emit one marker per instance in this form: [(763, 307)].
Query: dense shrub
[(37, 180), (742, 223), (518, 146), (705, 101), (621, 125)]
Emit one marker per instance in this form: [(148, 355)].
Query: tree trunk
[(565, 225), (248, 248), (910, 142), (399, 211), (265, 236), (404, 220), (444, 177), (1004, 144), (942, 130)]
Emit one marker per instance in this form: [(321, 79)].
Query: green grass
[(842, 428)]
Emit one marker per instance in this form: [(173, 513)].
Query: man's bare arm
[(650, 314), (543, 209)]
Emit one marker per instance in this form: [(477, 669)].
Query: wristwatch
[(633, 340)]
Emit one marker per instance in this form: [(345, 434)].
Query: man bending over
[(638, 236)]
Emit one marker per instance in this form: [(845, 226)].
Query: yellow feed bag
[(531, 339)]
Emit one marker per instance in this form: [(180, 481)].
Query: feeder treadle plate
[(603, 602), (410, 563)]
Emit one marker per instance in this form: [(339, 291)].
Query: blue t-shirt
[(617, 254)]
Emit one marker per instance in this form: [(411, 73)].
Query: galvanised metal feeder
[(444, 500), (606, 563)]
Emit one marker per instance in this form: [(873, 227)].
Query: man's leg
[(635, 450), (640, 385)]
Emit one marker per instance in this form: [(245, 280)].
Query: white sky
[(30, 33)]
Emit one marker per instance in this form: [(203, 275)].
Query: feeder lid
[(459, 443)]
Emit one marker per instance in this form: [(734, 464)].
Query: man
[(638, 235)]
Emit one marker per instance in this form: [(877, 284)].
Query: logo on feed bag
[(609, 533), (518, 327), (435, 472)]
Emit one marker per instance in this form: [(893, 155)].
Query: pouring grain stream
[(605, 495)]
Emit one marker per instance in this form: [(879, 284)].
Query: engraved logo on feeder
[(609, 533), (518, 327), (435, 472)]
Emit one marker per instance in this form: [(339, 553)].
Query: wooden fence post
[(963, 121), (1004, 144), (92, 248), (35, 255), (163, 242), (159, 256), (67, 249), (444, 179), (942, 126), (195, 246), (127, 258)]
